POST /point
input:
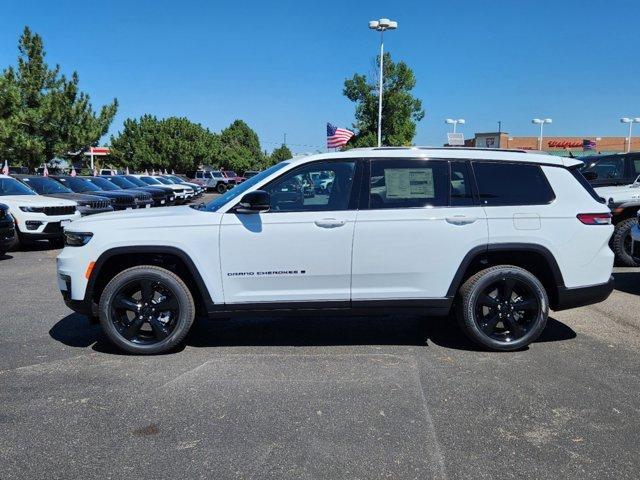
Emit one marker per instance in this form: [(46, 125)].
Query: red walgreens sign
[(98, 151), (564, 144)]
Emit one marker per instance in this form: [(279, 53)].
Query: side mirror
[(590, 175), (254, 202)]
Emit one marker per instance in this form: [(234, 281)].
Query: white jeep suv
[(501, 235), (37, 217)]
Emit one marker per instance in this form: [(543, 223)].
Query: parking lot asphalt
[(388, 397)]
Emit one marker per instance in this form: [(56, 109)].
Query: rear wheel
[(146, 310), (503, 308), (621, 243)]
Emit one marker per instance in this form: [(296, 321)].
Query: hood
[(78, 197), (142, 218), (623, 193), (114, 194), (36, 201)]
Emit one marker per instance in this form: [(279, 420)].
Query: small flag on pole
[(45, 172), (337, 137), (73, 171), (146, 172), (95, 172), (127, 171), (165, 171), (5, 169), (113, 173), (153, 172), (173, 172)]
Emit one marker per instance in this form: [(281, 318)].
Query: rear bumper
[(581, 296)]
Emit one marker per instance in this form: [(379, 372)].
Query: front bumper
[(581, 296), (7, 235)]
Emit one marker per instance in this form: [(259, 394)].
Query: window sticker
[(409, 183)]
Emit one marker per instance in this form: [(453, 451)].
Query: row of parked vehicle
[(34, 207)]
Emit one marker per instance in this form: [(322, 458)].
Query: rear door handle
[(329, 223), (460, 220)]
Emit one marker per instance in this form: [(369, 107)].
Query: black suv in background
[(7, 230), (87, 204), (160, 197), (120, 201), (611, 169), (142, 199)]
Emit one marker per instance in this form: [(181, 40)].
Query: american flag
[(337, 137), (5, 169)]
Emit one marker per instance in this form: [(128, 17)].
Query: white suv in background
[(37, 217), (501, 235)]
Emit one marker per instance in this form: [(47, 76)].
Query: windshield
[(44, 185), (164, 180), (216, 203), (103, 183), (150, 181), (10, 186), (79, 185), (136, 181), (121, 182), (215, 174), (175, 179)]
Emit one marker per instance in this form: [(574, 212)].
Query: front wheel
[(146, 310), (221, 188), (503, 308)]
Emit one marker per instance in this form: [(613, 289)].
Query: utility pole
[(499, 126)]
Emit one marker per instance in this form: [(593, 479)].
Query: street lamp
[(630, 121), (381, 26), (541, 122), (451, 121)]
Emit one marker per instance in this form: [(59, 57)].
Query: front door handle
[(329, 223), (460, 220)]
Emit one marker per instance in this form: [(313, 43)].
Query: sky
[(281, 65)]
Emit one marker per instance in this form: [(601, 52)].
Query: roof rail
[(482, 149)]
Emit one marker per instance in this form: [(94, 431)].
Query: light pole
[(630, 121), (380, 26), (541, 122), (451, 121)]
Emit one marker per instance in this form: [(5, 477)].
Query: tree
[(171, 143), (239, 147), (279, 154), (42, 113), (400, 109)]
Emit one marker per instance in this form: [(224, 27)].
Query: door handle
[(460, 220), (329, 223)]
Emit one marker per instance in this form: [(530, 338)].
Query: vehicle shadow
[(75, 331), (628, 282), (5, 257)]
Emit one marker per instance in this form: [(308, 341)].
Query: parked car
[(199, 190), (189, 192), (498, 236), (179, 192), (233, 176), (7, 230), (211, 180), (139, 183), (250, 173), (160, 197), (87, 204), (141, 199), (615, 178), (36, 217), (120, 200)]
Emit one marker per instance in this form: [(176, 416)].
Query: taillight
[(595, 218)]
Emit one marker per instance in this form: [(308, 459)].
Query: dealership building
[(562, 146)]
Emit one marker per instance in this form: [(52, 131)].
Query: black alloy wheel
[(146, 309), (506, 309), (503, 307)]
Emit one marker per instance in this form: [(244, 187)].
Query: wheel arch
[(532, 257), (113, 261)]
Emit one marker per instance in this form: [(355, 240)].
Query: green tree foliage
[(400, 109), (279, 154), (43, 114), (171, 143), (239, 147)]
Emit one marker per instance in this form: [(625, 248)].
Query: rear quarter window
[(577, 174), (502, 183)]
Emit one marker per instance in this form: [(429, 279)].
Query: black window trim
[(503, 162)]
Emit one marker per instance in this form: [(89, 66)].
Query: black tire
[(133, 324), (482, 316), (221, 188), (621, 243)]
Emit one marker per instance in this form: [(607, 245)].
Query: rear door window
[(502, 183), (408, 183)]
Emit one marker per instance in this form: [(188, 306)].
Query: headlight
[(32, 209), (77, 239)]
